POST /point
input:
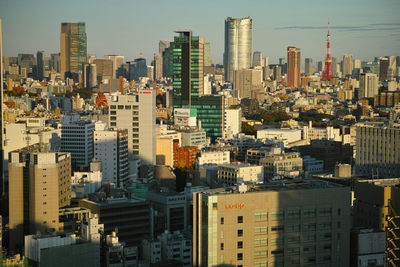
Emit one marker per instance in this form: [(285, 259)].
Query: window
[(310, 212), (293, 228), (293, 213), (260, 242), (260, 253), (338, 212), (275, 215), (260, 216), (240, 232), (240, 256), (222, 246), (258, 230), (240, 244), (260, 264), (325, 212), (112, 107), (277, 228), (240, 219), (222, 220), (215, 206)]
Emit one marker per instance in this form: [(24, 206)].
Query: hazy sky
[(364, 28)]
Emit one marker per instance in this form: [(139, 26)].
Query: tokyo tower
[(327, 73)]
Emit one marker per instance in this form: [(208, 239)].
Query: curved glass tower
[(238, 45)]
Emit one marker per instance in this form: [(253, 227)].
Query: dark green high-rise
[(188, 83)]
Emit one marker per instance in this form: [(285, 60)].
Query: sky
[(363, 28)]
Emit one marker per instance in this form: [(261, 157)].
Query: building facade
[(293, 67), (39, 184), (278, 224), (111, 149), (136, 113), (378, 151), (73, 48), (238, 45)]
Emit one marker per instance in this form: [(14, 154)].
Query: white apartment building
[(84, 183), (232, 122), (235, 173), (285, 164), (285, 135), (213, 157), (329, 133), (137, 114), (77, 139), (111, 149)]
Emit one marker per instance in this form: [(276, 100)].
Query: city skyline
[(353, 31)]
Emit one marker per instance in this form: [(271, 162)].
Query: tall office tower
[(165, 51), (104, 69), (368, 85), (272, 225), (293, 59), (392, 68), (2, 189), (334, 66), (320, 66), (238, 45), (150, 73), (162, 45), (55, 60), (188, 83), (383, 69), (158, 66), (207, 59), (257, 59), (77, 138), (117, 61), (40, 65), (39, 184), (90, 75), (111, 149), (357, 64), (308, 67), (266, 62), (378, 151), (137, 114), (137, 69), (277, 73), (245, 81), (73, 47), (347, 65)]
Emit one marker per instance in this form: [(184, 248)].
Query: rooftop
[(275, 186)]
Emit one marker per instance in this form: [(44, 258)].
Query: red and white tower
[(327, 73)]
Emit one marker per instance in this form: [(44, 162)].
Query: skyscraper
[(73, 48), (40, 183), (158, 66), (257, 59), (308, 66), (207, 60), (293, 59), (55, 60), (383, 69), (238, 45), (40, 65), (188, 83), (347, 65), (188, 63), (368, 85), (392, 68), (117, 62)]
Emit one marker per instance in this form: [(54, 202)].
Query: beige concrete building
[(285, 223), (377, 206), (246, 80), (39, 184), (378, 151)]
